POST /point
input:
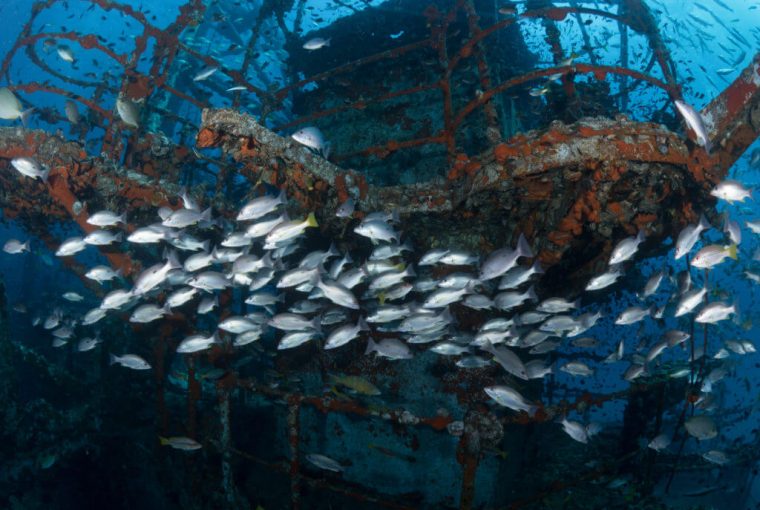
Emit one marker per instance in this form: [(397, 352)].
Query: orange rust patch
[(549, 258), (206, 138), (615, 208), (361, 182), (560, 238), (644, 220), (501, 152), (340, 188), (249, 149)]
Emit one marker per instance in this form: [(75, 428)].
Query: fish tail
[(164, 441), (703, 223), (118, 237), (206, 215), (537, 268), (25, 116), (311, 220), (523, 248), (731, 250), (371, 346), (113, 358), (532, 294), (45, 174)]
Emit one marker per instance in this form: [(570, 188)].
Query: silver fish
[(155, 275), (338, 294), (702, 427), (689, 236), (731, 191), (102, 238), (205, 73), (501, 261), (377, 231), (694, 121), (106, 219), (132, 361), (311, 137), (714, 312), (296, 338), (391, 348), (689, 301), (148, 313), (128, 111), (324, 462), (344, 334), (626, 248), (316, 43), (197, 343), (605, 279), (260, 207), (30, 168), (288, 230), (508, 360), (71, 111), (14, 246), (70, 247), (11, 108), (632, 314), (508, 397), (713, 255), (660, 442), (346, 209)]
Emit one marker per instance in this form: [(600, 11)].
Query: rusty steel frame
[(138, 86)]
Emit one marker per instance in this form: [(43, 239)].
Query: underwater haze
[(365, 254)]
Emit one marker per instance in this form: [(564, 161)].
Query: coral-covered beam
[(733, 118)]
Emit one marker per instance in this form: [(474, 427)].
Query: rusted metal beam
[(733, 118)]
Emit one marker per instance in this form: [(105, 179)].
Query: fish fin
[(523, 248), (317, 324), (703, 223), (171, 258), (532, 294), (25, 116), (311, 220)]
